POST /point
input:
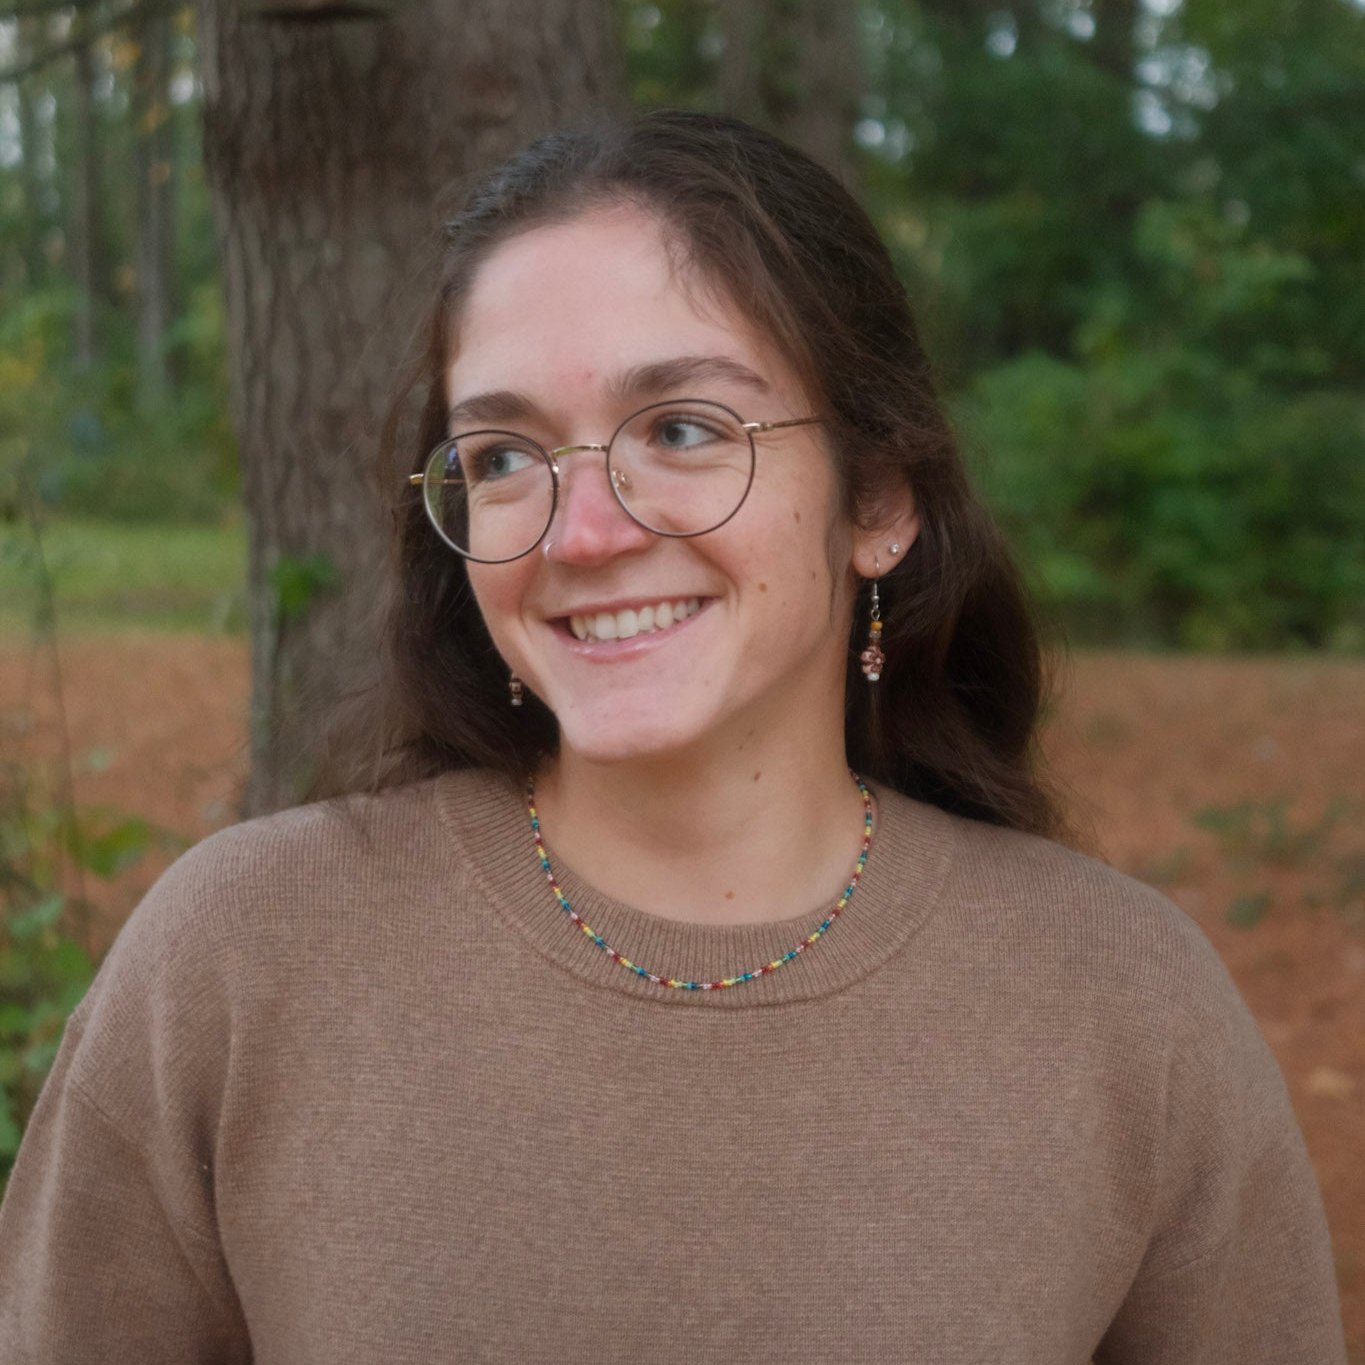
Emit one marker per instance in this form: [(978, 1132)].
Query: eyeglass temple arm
[(773, 426)]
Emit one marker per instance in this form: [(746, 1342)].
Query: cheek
[(499, 590), (797, 574)]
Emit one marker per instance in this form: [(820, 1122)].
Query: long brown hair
[(954, 719)]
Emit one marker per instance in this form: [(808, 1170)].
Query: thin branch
[(45, 630), (86, 37)]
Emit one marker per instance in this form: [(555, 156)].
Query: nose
[(590, 525)]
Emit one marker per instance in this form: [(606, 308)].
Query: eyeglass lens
[(679, 468)]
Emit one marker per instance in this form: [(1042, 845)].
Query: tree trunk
[(1115, 42), (793, 67), (29, 38), (150, 111), (333, 140), (88, 260)]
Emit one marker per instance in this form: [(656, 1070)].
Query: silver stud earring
[(896, 549), (514, 688)]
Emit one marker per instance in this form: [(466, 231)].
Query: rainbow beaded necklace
[(729, 980)]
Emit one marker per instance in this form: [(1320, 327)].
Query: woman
[(618, 1019)]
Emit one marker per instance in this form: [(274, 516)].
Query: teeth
[(625, 624)]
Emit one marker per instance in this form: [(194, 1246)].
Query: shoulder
[(1063, 914), (256, 880), (334, 836), (248, 914)]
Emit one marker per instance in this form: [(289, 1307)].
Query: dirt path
[(1266, 749)]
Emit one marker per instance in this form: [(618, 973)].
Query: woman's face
[(567, 330)]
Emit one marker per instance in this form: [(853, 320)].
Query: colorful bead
[(805, 943)]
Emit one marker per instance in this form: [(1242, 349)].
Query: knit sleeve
[(94, 1269), (108, 1244), (1238, 1269)]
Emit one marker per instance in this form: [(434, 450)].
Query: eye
[(490, 459), (680, 431)]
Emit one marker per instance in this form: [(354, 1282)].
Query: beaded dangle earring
[(872, 657), (514, 689)]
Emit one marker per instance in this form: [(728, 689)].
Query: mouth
[(611, 631)]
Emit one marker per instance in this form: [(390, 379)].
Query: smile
[(629, 622)]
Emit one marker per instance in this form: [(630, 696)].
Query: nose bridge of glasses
[(569, 450), (619, 479)]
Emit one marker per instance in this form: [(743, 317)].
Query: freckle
[(797, 517), (729, 895), (757, 776), (763, 587)]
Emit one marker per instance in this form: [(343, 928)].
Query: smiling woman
[(689, 964)]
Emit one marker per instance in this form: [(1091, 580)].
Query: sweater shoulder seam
[(206, 1239)]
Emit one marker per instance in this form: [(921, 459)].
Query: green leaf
[(28, 924), (68, 964), (297, 579), (9, 1128), (1249, 909), (109, 853)]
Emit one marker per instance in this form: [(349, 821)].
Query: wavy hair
[(955, 718)]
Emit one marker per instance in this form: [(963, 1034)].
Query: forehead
[(576, 304)]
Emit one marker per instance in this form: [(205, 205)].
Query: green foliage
[(1134, 251), (1256, 834), (103, 457), (297, 580), (1160, 498), (44, 968), (1143, 294), (1261, 831), (1249, 909)]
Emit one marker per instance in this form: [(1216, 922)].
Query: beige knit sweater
[(351, 1087)]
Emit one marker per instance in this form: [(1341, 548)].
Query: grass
[(120, 575)]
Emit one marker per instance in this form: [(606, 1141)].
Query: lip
[(605, 651)]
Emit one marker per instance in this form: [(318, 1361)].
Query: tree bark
[(88, 255), (1115, 41), (793, 67), (333, 144), (150, 111), (28, 38)]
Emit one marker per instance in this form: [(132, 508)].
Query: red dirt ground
[(1143, 743)]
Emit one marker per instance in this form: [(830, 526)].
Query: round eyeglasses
[(678, 468)]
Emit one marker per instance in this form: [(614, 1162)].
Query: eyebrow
[(652, 380)]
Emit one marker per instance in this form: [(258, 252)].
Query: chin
[(620, 738)]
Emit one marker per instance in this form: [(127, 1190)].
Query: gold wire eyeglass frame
[(551, 457)]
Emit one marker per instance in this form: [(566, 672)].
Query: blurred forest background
[(1134, 230), (1134, 234)]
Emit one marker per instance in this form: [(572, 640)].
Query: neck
[(762, 830)]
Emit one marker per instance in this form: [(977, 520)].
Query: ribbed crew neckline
[(906, 868)]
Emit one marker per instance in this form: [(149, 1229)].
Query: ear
[(878, 550)]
